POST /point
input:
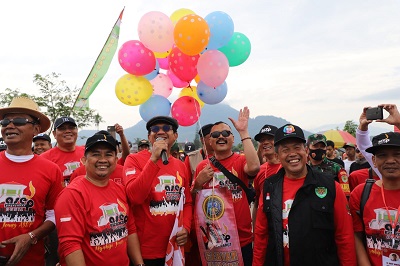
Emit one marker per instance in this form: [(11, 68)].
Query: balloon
[(162, 85), (211, 95), (133, 90), (183, 66), (178, 14), (237, 50), (213, 68), (162, 55), (156, 31), (191, 34), (155, 106), (192, 92), (136, 59), (163, 63), (153, 73), (197, 78), (186, 111), (221, 29), (176, 81)]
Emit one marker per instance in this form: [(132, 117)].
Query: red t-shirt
[(343, 232), (154, 190), (266, 170), (115, 176), (358, 177), (95, 220), (235, 164), (67, 161), (27, 190), (377, 224)]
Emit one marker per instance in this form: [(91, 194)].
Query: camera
[(374, 113), (111, 130)]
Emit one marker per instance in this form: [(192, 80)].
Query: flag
[(175, 254), (100, 67)]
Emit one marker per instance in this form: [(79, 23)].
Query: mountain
[(209, 114)]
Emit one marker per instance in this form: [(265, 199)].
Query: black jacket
[(311, 221)]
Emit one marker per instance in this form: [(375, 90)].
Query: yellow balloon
[(178, 14), (133, 90), (192, 92), (162, 55)]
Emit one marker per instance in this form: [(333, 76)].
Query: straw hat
[(24, 105)]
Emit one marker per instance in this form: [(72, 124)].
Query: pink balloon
[(162, 85), (213, 68), (176, 81), (184, 66), (136, 59), (163, 63), (156, 31), (186, 110)]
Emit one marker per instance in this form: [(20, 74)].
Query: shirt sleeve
[(355, 199), (260, 236), (188, 206), (131, 222), (344, 236), (55, 189), (363, 142)]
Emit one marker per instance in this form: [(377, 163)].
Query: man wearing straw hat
[(30, 185)]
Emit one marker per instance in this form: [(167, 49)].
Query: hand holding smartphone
[(374, 113)]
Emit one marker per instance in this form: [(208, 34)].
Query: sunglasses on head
[(19, 121), (156, 129), (224, 133)]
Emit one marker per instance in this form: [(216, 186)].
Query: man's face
[(162, 131), (267, 144), (387, 160), (206, 141), (19, 134), (221, 143), (319, 145), (359, 154), (330, 151), (100, 161), (351, 152), (66, 134), (293, 157), (40, 146)]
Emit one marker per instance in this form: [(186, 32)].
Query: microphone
[(164, 156)]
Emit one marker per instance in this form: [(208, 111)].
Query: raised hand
[(241, 124)]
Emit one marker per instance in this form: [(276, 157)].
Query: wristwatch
[(33, 237)]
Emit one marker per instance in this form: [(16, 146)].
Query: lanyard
[(392, 223)]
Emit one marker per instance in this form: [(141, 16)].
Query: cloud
[(386, 96)]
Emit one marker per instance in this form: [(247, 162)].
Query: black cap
[(205, 130), (266, 130), (189, 147), (389, 139), (3, 145), (42, 136), (143, 142), (62, 120), (288, 131), (162, 119), (101, 138)]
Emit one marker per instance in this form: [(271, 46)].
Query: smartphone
[(374, 113), (111, 130)]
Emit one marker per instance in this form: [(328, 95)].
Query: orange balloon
[(191, 34), (197, 78)]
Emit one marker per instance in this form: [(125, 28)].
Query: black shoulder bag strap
[(234, 179)]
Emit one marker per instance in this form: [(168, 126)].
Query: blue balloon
[(155, 106), (153, 73), (211, 95), (221, 29)]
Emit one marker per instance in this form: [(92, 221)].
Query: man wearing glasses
[(29, 185), (67, 155), (154, 186), (244, 167)]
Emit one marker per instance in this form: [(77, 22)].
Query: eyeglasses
[(156, 129), (19, 121), (224, 133)]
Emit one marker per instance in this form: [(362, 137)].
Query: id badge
[(390, 257)]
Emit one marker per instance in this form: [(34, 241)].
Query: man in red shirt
[(41, 143), (94, 223), (29, 185), (154, 190), (305, 216), (242, 167)]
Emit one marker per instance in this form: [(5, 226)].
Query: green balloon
[(237, 50)]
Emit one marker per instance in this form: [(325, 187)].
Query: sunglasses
[(156, 129), (224, 133), (19, 121)]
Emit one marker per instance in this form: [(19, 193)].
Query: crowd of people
[(290, 201)]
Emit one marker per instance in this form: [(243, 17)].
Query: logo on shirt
[(321, 192)]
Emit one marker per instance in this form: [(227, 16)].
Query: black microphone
[(164, 156)]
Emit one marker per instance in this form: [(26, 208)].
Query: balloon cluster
[(174, 51)]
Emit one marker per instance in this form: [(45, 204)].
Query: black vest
[(311, 221)]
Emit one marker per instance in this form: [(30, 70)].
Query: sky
[(312, 62)]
